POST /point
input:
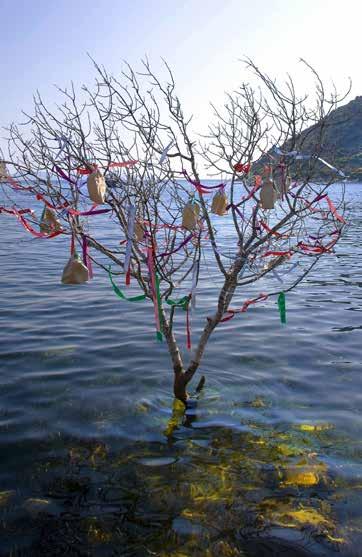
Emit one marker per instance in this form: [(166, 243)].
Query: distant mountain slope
[(342, 139)]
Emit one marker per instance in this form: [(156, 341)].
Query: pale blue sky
[(45, 42)]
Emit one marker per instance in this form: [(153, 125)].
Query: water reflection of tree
[(215, 492)]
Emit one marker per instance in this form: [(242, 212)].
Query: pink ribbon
[(269, 230), (12, 212), (151, 270), (200, 187), (86, 259), (89, 213), (166, 253), (63, 175)]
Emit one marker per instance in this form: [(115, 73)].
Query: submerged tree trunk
[(180, 379), (179, 385), (182, 376)]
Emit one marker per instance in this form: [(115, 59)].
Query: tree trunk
[(182, 377), (179, 385)]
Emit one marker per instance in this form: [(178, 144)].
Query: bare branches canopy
[(130, 136)]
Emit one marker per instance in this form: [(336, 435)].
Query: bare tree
[(130, 142)]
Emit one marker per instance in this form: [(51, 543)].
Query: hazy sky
[(44, 42)]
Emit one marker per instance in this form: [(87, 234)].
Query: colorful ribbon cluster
[(189, 300)]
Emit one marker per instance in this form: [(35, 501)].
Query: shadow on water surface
[(212, 490)]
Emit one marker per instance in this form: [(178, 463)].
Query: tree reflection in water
[(206, 491)]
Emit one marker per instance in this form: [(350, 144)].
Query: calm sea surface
[(95, 457)]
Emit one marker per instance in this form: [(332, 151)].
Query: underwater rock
[(7, 498), (162, 461), (35, 506)]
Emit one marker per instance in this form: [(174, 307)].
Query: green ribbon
[(282, 308), (120, 293), (182, 302)]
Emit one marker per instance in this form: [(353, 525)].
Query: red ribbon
[(252, 191), (230, 313), (16, 184), (334, 210), (319, 198), (276, 234), (317, 249), (12, 212), (128, 277), (85, 171), (240, 167), (41, 197), (30, 229)]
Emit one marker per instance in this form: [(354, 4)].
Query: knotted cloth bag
[(75, 272), (190, 215), (3, 171), (139, 231), (219, 203), (268, 195), (49, 222), (97, 187)]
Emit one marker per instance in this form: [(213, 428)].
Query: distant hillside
[(342, 139)]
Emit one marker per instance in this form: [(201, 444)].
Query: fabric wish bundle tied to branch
[(268, 195), (219, 203), (49, 222), (75, 272), (3, 172), (97, 187), (190, 215), (139, 231)]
